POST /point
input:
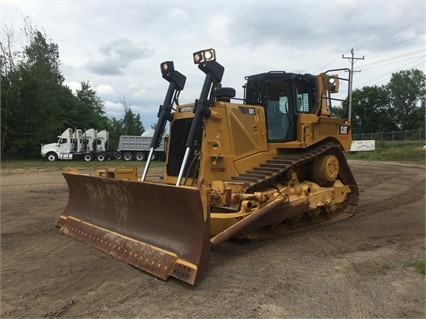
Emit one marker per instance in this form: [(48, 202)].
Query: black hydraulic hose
[(197, 165), (195, 159)]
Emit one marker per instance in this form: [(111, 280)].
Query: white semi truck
[(71, 145)]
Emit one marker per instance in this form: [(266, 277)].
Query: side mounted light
[(333, 82), (204, 56), (167, 67)]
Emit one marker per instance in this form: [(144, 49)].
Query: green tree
[(89, 111), (399, 105), (37, 114), (9, 87), (115, 128), (371, 111), (36, 105), (69, 103), (407, 93), (131, 123)]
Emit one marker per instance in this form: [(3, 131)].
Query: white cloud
[(139, 94), (73, 85), (114, 57), (220, 28), (106, 66), (113, 109), (125, 48), (104, 89)]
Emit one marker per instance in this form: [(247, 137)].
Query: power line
[(382, 37), (381, 65), (391, 33), (396, 44), (323, 68), (388, 74), (393, 58)]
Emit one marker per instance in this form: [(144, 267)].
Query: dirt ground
[(356, 268)]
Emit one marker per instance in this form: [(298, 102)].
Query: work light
[(167, 67), (204, 56), (333, 82), (209, 55), (198, 56)]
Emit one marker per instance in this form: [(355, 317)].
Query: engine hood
[(48, 147)]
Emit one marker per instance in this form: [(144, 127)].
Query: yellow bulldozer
[(234, 167)]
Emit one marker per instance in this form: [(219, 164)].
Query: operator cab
[(284, 96)]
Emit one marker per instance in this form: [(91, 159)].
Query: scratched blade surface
[(158, 228)]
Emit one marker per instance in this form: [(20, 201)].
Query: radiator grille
[(178, 134)]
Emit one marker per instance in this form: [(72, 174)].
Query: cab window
[(277, 108), (304, 95)]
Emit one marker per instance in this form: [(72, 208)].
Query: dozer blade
[(158, 228)]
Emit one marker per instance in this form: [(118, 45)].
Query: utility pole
[(351, 78)]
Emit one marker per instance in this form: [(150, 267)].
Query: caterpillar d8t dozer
[(233, 166)]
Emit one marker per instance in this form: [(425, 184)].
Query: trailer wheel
[(51, 157), (140, 156), (127, 156), (154, 156), (88, 157), (118, 155), (101, 157)]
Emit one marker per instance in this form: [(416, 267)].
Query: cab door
[(280, 111)]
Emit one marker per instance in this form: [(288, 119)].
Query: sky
[(117, 46)]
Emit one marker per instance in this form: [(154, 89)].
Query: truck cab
[(77, 144), (63, 149)]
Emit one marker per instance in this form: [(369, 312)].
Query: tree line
[(396, 106), (37, 106)]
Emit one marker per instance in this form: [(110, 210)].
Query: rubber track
[(266, 173)]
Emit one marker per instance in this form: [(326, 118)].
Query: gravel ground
[(356, 268)]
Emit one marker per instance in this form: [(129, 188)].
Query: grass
[(44, 164), (388, 152), (419, 265), (387, 265)]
